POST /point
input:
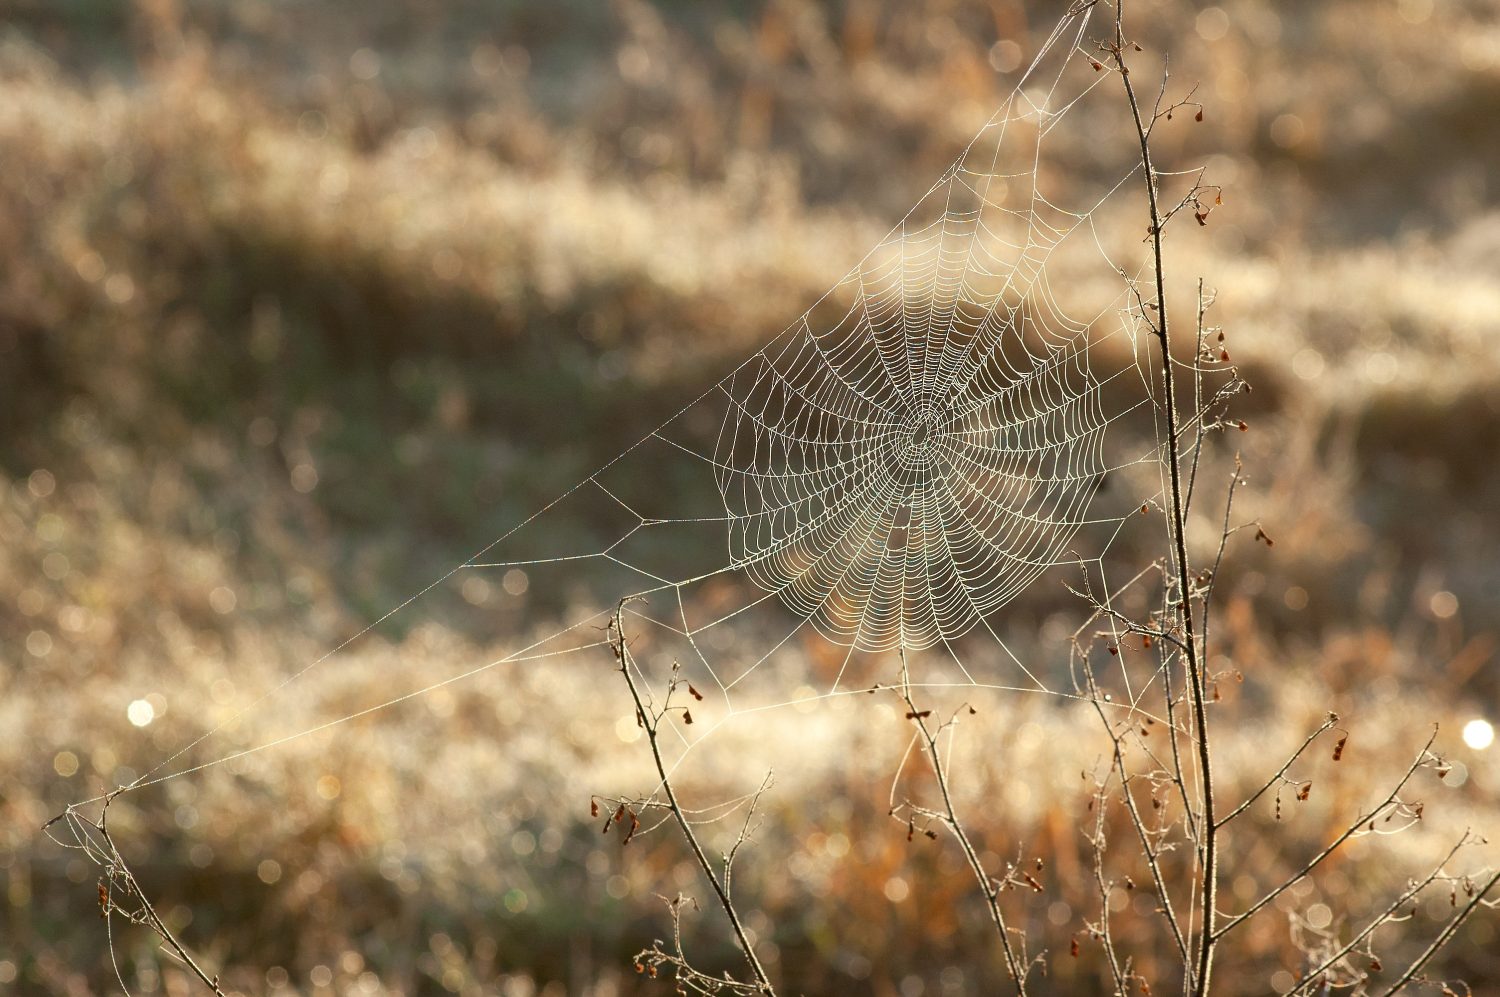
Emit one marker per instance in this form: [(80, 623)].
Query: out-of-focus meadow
[(301, 303)]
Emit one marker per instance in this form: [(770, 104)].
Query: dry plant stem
[(1444, 936), (1326, 725), (1224, 534), (1209, 845), (649, 724), (1317, 860), (1139, 824), (991, 892), (1313, 980), (1105, 938), (152, 919)]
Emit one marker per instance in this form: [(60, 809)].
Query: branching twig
[(1317, 860), (1013, 963), (1443, 936), (118, 876), (1278, 778), (1314, 977), (649, 722), (1208, 845)]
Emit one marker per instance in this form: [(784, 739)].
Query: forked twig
[(115, 870), (649, 722), (1443, 936), (1328, 724), (1208, 845), (1332, 846), (991, 891)]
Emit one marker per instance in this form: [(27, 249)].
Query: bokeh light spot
[(1479, 734), (140, 712), (65, 763)]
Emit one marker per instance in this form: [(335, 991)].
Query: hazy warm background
[(301, 302)]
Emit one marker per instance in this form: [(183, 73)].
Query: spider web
[(971, 406)]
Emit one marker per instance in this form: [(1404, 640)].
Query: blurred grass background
[(302, 302)]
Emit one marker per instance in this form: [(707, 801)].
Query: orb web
[(889, 473), (907, 463)]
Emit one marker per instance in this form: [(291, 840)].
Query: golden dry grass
[(285, 332)]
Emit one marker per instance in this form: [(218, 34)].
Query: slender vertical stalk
[(1014, 965), (1208, 846), (649, 722)]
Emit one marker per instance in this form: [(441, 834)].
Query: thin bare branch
[(649, 722), (1279, 777), (1349, 832), (1014, 964), (1443, 937), (1208, 844)]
